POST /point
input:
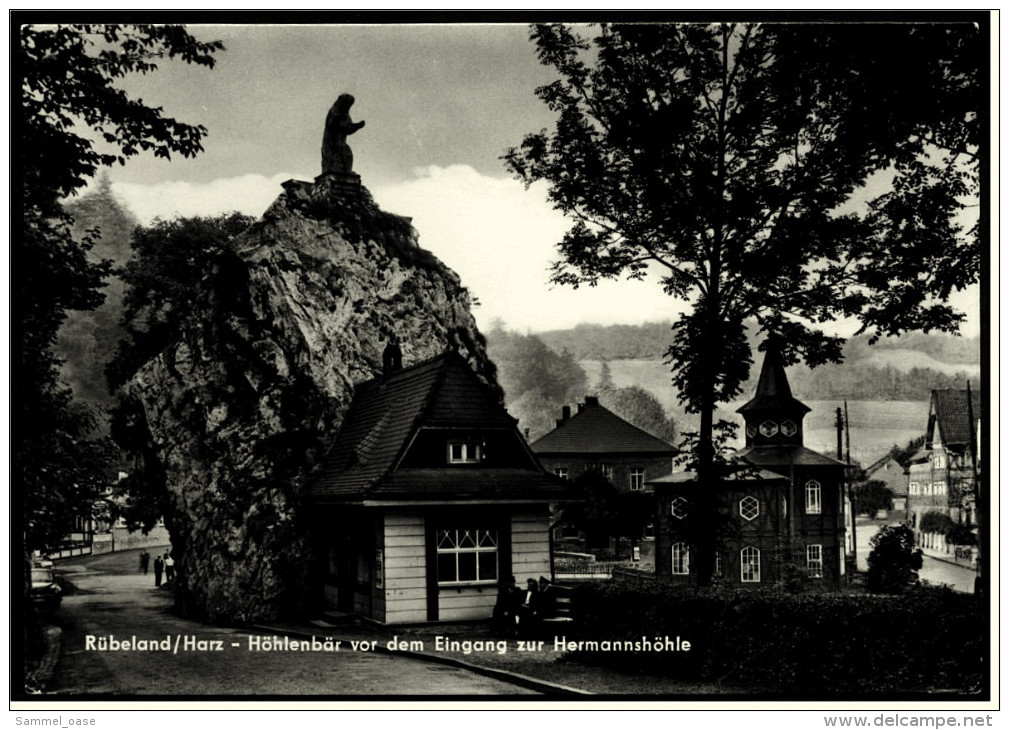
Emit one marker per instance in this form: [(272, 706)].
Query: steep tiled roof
[(949, 408), (773, 390), (596, 430), (385, 415)]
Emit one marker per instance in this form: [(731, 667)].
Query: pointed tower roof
[(773, 390)]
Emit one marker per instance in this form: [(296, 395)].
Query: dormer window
[(768, 428), (788, 428), (464, 452)]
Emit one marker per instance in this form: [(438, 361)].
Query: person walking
[(159, 567), (169, 568)]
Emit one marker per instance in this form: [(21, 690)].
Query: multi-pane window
[(937, 460), (637, 479), (681, 559), (912, 488), (749, 565), (749, 507), (718, 564), (814, 497), (788, 428), (607, 471), (679, 508), (940, 487), (768, 428), (467, 556), (562, 472), (814, 561), (464, 452)]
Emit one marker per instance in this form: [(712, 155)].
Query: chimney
[(392, 357), (581, 407), (565, 413)]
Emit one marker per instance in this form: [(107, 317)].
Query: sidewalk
[(473, 646)]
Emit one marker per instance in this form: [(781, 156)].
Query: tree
[(88, 338), (894, 561), (636, 405), (170, 259), (871, 497), (729, 160), (536, 380), (163, 280), (70, 105)]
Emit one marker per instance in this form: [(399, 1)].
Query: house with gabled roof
[(428, 499), (781, 502), (941, 477), (596, 439)]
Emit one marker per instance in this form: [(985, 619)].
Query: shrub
[(805, 645), (894, 561)]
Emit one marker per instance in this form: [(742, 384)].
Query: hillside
[(899, 368)]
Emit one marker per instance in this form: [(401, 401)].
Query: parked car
[(45, 590)]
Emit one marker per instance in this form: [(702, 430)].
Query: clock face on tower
[(768, 428), (788, 428)]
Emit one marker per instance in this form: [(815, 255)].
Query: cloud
[(249, 194), (499, 237)]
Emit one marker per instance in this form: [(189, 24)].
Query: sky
[(442, 103)]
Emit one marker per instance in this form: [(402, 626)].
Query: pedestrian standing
[(169, 568), (159, 567), (145, 560)]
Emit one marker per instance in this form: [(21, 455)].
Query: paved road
[(937, 572), (113, 604)]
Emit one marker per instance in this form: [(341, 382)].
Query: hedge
[(820, 644)]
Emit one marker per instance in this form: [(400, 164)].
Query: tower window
[(749, 508), (679, 508), (768, 428), (788, 428)]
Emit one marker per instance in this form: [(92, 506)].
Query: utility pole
[(848, 479)]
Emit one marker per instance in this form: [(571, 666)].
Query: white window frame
[(561, 471), (678, 507), (749, 565), (471, 452), (940, 486), (607, 471), (749, 499), (814, 561), (637, 479), (680, 559), (449, 542), (814, 497)]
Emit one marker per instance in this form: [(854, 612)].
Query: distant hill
[(905, 368)]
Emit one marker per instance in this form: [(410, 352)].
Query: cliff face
[(240, 410)]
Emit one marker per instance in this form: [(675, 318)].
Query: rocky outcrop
[(240, 410)]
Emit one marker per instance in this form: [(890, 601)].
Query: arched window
[(749, 565), (681, 559), (814, 497)]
